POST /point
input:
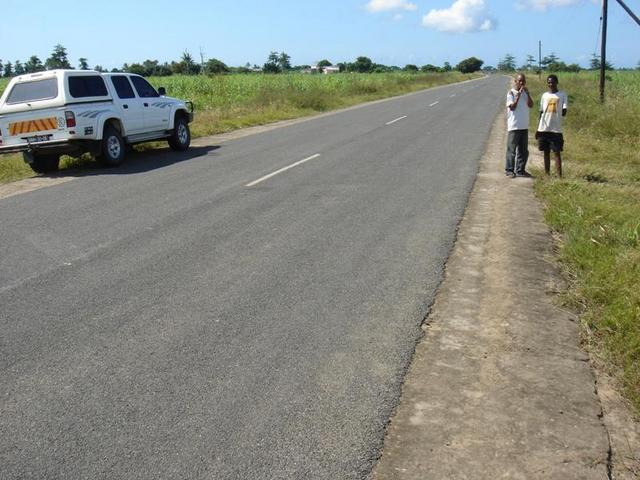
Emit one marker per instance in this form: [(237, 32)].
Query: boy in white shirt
[(518, 104), (553, 106)]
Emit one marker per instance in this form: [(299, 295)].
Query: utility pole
[(603, 48), (539, 57)]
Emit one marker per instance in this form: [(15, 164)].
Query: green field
[(229, 102), (596, 210)]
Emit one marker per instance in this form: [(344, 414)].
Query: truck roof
[(52, 73)]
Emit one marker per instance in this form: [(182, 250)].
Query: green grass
[(596, 210), (229, 102)]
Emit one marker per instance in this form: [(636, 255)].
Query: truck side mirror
[(162, 91)]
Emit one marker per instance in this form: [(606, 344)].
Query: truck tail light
[(70, 118)]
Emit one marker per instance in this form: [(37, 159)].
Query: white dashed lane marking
[(284, 169)]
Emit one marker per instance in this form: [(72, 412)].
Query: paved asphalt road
[(167, 321)]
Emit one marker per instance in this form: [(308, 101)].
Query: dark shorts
[(550, 141)]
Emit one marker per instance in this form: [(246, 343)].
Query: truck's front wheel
[(181, 136), (112, 149), (42, 163)]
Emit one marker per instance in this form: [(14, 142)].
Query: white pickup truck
[(71, 112)]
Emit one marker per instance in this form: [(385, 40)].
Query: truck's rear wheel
[(42, 163), (181, 136), (113, 148)]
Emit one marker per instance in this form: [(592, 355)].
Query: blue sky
[(392, 32)]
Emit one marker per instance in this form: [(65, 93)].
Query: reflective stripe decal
[(37, 125)]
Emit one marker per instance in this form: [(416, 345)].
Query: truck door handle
[(146, 104), (125, 106)]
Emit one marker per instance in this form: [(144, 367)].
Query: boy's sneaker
[(524, 174), (510, 174)]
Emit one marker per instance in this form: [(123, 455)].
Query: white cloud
[(462, 16), (544, 5), (386, 5)]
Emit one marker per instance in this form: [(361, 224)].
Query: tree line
[(276, 62), (549, 63), (280, 62)]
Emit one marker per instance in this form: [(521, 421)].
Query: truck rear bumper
[(51, 146)]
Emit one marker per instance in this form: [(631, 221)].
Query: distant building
[(325, 70)]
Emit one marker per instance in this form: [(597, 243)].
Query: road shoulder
[(499, 386)]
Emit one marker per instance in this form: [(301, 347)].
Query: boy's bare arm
[(529, 99)]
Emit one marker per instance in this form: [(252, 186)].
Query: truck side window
[(122, 86), (144, 89), (87, 86)]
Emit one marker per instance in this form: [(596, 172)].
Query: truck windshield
[(26, 92)]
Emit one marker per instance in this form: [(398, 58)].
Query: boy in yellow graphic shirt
[(553, 106)]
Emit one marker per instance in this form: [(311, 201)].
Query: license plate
[(38, 138)]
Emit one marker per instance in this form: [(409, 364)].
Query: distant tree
[(18, 68), (548, 60), (507, 63), (411, 68), (151, 67), (155, 68), (271, 65), (58, 58), (558, 66), (246, 68), (594, 64), (469, 65), (573, 67), (380, 68), (1, 67), (83, 64), (161, 69), (98, 68), (489, 68), (189, 66), (446, 67), (324, 63), (429, 68), (553, 64), (136, 68), (8, 70), (34, 64), (214, 66), (529, 63), (362, 65), (284, 62)]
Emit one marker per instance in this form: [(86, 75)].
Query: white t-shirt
[(518, 118), (551, 106)]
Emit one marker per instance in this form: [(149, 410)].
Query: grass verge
[(596, 210)]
